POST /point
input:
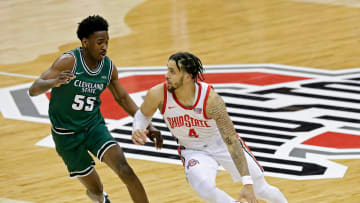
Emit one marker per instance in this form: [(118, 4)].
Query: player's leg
[(94, 186), (261, 188), (103, 145), (115, 159), (78, 161), (201, 172)]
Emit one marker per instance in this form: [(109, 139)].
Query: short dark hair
[(190, 63), (90, 25)]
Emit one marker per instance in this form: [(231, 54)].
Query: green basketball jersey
[(76, 106)]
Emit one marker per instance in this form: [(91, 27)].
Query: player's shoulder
[(213, 94), (65, 61), (156, 92), (157, 88), (214, 99), (67, 57)]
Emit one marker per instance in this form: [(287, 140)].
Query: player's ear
[(188, 76), (85, 42)]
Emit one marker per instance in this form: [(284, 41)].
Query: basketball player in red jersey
[(196, 115)]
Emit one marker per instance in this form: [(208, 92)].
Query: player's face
[(174, 76), (97, 44)]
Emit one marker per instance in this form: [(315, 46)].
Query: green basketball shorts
[(74, 147)]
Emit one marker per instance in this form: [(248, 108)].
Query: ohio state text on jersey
[(190, 125)]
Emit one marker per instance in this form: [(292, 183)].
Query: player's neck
[(89, 61), (186, 94)]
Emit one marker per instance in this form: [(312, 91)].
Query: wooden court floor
[(303, 33)]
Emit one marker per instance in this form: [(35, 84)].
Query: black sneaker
[(106, 198)]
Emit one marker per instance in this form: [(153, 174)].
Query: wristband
[(246, 180), (140, 121)]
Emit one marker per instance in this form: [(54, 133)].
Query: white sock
[(103, 199)]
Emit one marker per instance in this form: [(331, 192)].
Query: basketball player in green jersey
[(77, 79)]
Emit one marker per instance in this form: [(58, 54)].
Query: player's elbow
[(120, 100), (32, 92)]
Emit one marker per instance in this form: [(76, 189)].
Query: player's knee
[(205, 189), (260, 192), (261, 187), (269, 193), (207, 193), (125, 172)]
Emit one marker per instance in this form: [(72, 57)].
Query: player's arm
[(153, 100), (128, 104), (59, 73), (142, 118), (120, 95), (216, 109)]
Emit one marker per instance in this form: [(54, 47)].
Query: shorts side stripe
[(247, 150), (181, 157), (84, 172), (62, 131), (104, 148), (253, 157)]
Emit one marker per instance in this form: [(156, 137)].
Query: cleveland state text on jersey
[(88, 87)]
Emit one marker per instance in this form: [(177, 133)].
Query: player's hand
[(64, 78), (247, 193), (139, 136), (155, 136)]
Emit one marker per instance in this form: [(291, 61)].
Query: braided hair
[(190, 63), (90, 25)]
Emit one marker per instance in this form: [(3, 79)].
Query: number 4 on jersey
[(192, 133)]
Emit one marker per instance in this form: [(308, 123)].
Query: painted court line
[(18, 75), (5, 200), (347, 3)]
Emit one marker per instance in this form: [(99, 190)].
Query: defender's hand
[(155, 136), (64, 78)]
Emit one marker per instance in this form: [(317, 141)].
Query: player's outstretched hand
[(155, 136), (247, 193)]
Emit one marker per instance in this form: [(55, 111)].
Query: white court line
[(348, 3), (4, 200), (18, 75)]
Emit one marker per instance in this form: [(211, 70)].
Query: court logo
[(295, 120)]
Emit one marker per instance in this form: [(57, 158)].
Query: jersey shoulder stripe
[(205, 100), (165, 99)]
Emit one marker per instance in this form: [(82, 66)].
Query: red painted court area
[(335, 140), (143, 82)]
